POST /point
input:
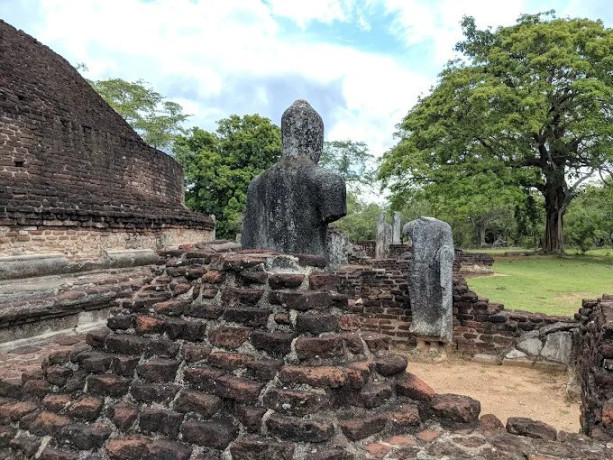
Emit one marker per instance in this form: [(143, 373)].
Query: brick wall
[(595, 366), (68, 160)]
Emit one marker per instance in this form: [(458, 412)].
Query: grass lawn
[(546, 284)]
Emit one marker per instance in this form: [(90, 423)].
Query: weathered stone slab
[(430, 278)]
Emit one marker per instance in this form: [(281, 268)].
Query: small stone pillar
[(430, 284), (396, 237), (384, 238)]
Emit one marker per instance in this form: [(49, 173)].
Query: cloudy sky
[(361, 64)]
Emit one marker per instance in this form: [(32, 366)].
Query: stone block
[(531, 347), (558, 347)]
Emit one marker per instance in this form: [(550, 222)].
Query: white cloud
[(302, 12), (439, 21)]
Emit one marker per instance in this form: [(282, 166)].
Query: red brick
[(124, 365), (161, 449), (413, 387), (223, 385), (170, 307), (360, 428), (275, 343), (301, 300), (162, 421), (451, 408), (325, 282), (193, 353), (55, 402), (123, 415), (316, 323), (524, 426), (84, 436), (490, 424), (130, 448), (215, 434), (236, 296), (158, 370), (145, 324), (322, 376), (201, 403), (15, 411), (295, 402), (375, 395), (253, 447), (48, 423), (229, 337), (319, 347), (250, 417), (428, 435), (58, 375), (86, 407), (229, 361), (377, 450), (358, 374), (153, 392), (299, 429), (107, 385), (213, 277), (285, 280), (404, 417), (391, 364), (248, 316)]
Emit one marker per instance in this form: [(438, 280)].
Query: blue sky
[(361, 64)]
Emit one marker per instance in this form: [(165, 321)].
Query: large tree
[(157, 120), (219, 166), (531, 103)]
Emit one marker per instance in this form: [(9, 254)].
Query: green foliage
[(219, 166), (589, 221), (530, 106), (351, 160), (361, 220), (155, 119)]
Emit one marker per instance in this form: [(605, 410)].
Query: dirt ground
[(505, 391)]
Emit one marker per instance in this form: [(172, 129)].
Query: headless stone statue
[(290, 205), (430, 282)]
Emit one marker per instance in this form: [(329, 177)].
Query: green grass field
[(551, 285)]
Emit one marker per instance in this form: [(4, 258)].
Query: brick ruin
[(229, 353), (213, 352), (75, 179)]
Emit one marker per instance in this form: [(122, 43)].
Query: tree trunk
[(555, 191), (481, 234)]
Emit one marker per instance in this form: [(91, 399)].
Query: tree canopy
[(528, 106), (219, 165), (157, 120), (350, 159)]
